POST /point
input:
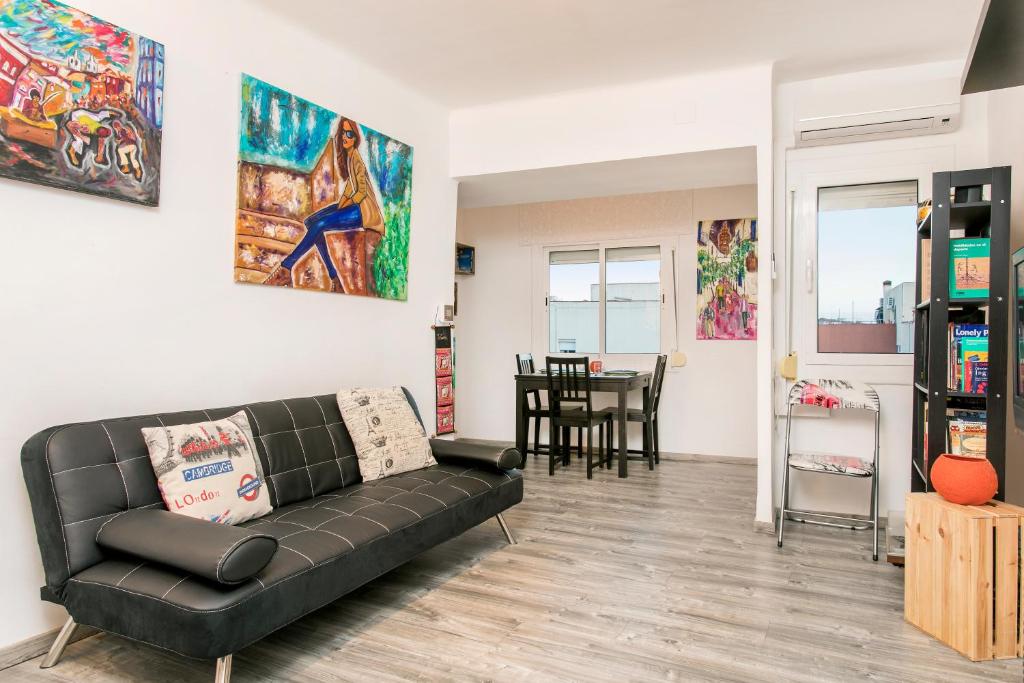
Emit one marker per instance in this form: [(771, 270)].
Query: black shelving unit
[(981, 218)]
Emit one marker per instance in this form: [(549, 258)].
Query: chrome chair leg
[(874, 489), (223, 674), (785, 476), (504, 528), (61, 642)]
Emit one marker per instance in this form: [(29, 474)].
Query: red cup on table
[(596, 366)]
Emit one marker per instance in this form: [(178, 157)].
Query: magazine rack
[(961, 203)]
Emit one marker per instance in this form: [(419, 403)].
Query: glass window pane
[(574, 295), (867, 246), (633, 300)]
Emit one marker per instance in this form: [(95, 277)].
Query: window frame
[(666, 247), (819, 169)]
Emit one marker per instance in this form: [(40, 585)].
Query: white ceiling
[(467, 52), (717, 168)]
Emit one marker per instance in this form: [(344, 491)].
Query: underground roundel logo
[(249, 487)]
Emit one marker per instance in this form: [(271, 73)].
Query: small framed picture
[(465, 259)]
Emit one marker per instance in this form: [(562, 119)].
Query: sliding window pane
[(574, 295), (867, 246), (633, 300)]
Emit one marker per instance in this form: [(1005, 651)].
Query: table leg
[(521, 435), (648, 435), (623, 454)]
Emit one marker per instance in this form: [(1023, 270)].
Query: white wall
[(708, 406), (966, 148), (114, 309), (715, 110)]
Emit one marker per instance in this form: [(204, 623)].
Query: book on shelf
[(975, 338), (974, 364), (926, 269), (969, 268), (966, 433)]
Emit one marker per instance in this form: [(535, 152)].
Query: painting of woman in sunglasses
[(357, 208)]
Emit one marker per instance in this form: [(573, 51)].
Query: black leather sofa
[(333, 532)]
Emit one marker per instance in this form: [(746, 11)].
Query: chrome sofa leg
[(505, 529), (223, 674), (57, 649)]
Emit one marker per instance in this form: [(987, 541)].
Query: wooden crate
[(962, 583)]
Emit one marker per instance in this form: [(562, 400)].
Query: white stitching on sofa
[(100, 530), (409, 509), (302, 429), (90, 519), (113, 451), (334, 445), (482, 481), (56, 501), (130, 572), (447, 483), (180, 581), (253, 412), (295, 425), (311, 562), (429, 496), (101, 464), (331, 519), (325, 531)]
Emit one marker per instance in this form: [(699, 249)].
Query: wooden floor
[(656, 577)]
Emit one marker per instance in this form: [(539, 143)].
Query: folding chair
[(833, 394)]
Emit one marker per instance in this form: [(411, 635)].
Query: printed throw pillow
[(387, 436), (209, 470)]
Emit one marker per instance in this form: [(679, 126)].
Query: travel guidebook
[(969, 268), (975, 338), (974, 361)]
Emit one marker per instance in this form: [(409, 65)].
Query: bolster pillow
[(219, 552), (475, 454)]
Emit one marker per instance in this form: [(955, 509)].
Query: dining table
[(619, 384)]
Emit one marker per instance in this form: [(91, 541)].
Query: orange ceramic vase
[(963, 480)]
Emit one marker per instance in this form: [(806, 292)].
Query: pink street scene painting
[(727, 279)]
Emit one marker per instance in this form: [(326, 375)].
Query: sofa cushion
[(218, 552), (209, 470), (387, 436), (328, 546)]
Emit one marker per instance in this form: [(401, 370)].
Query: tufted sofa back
[(80, 475)]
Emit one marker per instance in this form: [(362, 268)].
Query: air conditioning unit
[(877, 125)]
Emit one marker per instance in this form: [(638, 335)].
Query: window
[(573, 301), (867, 246), (633, 300), (625, 303)]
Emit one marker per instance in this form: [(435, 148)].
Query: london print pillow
[(209, 470), (385, 432)]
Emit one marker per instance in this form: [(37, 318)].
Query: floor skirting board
[(665, 455), (37, 645)]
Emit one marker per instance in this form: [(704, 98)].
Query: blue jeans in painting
[(317, 226)]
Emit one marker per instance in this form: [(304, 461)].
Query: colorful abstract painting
[(727, 279), (81, 102), (323, 201)]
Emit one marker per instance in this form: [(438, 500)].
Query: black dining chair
[(534, 408), (570, 406), (648, 416)]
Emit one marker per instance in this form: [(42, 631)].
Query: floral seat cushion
[(833, 464)]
